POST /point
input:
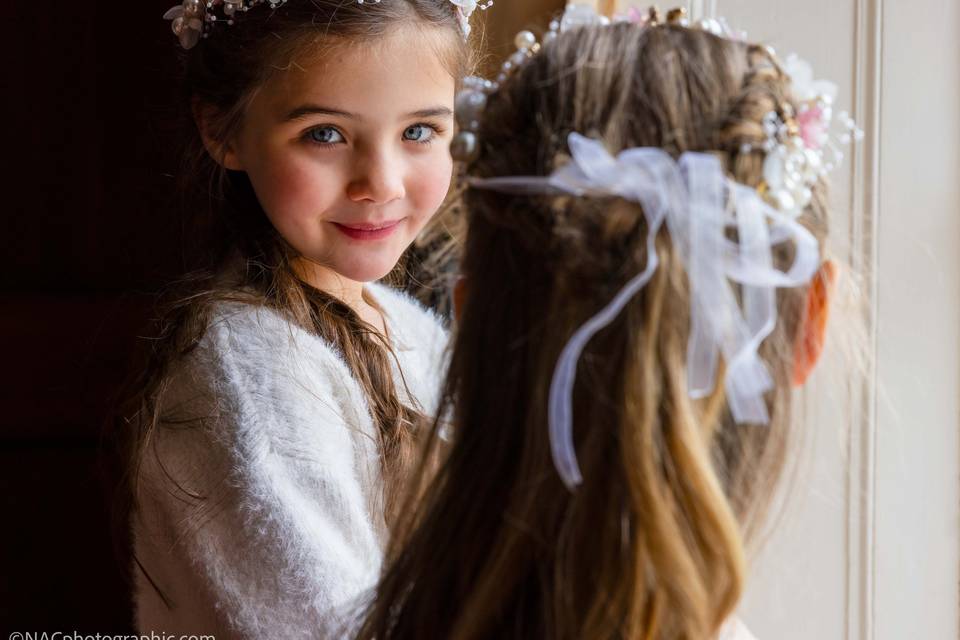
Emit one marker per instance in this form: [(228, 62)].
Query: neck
[(350, 292)]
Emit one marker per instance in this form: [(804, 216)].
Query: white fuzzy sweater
[(277, 520)]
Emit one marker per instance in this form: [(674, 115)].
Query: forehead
[(397, 73)]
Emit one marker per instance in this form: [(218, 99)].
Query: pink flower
[(635, 16), (813, 127)]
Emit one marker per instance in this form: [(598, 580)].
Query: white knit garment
[(290, 527), (734, 629)]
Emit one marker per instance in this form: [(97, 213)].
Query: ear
[(459, 294), (813, 328), (222, 152)]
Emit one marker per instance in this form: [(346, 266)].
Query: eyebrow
[(312, 109)]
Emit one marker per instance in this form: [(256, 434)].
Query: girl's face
[(348, 154)]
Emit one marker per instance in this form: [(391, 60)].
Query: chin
[(367, 272)]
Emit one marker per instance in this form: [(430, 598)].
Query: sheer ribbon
[(698, 203)]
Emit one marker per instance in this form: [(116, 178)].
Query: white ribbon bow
[(698, 203)]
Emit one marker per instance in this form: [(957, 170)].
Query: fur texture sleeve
[(259, 515), (421, 343)]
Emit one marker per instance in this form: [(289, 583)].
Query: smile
[(364, 231)]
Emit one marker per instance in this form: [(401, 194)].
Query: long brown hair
[(233, 254), (651, 544)]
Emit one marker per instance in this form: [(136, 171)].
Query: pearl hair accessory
[(465, 9), (582, 15), (800, 148), (193, 19), (699, 204), (472, 98)]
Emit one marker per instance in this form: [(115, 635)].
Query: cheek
[(430, 184), (290, 189)]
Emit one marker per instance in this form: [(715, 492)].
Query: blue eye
[(419, 133), (325, 135)]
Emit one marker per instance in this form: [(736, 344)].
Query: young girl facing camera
[(645, 280), (287, 390)]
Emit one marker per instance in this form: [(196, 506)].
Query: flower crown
[(194, 19), (802, 145), (699, 204)]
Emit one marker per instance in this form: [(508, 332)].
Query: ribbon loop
[(698, 203)]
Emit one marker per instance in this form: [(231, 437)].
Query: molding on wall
[(864, 223), (702, 9)]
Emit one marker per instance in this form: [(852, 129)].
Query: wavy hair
[(233, 253), (651, 545)]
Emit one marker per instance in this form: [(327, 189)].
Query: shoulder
[(267, 377), (416, 326), (255, 339), (420, 341)]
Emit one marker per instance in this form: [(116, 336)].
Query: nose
[(378, 178)]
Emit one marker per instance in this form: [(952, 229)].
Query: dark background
[(89, 234)]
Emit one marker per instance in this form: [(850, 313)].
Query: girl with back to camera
[(645, 280), (286, 390)]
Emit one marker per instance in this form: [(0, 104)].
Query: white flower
[(465, 9), (466, 6), (805, 87), (187, 22), (579, 15)]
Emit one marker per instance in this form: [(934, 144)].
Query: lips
[(368, 230)]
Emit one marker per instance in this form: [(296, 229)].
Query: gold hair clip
[(678, 17)]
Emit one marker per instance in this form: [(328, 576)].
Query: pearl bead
[(578, 15), (525, 40), (711, 25), (464, 147), (773, 171), (785, 201), (468, 106)]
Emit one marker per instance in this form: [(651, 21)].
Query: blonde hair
[(651, 545)]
